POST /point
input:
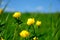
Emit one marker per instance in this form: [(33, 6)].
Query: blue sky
[(32, 5)]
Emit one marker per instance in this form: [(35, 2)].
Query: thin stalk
[(29, 28), (6, 5), (7, 18), (24, 38), (34, 30), (15, 33)]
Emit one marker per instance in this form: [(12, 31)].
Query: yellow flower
[(16, 14), (2, 38), (24, 33), (1, 10), (35, 38), (30, 21), (38, 23)]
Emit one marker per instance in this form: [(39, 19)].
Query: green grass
[(47, 31)]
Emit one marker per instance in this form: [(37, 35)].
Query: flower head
[(16, 14), (38, 23), (35, 38), (2, 38), (1, 10), (30, 21), (24, 33)]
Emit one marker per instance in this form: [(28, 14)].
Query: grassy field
[(48, 30)]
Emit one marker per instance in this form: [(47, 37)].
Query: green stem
[(14, 34), (34, 30), (24, 38), (28, 28)]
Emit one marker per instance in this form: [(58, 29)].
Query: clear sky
[(32, 5)]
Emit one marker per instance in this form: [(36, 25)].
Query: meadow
[(48, 30)]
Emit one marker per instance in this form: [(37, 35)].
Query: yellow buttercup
[(24, 33), (38, 23), (17, 14), (2, 38), (35, 38), (30, 21)]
